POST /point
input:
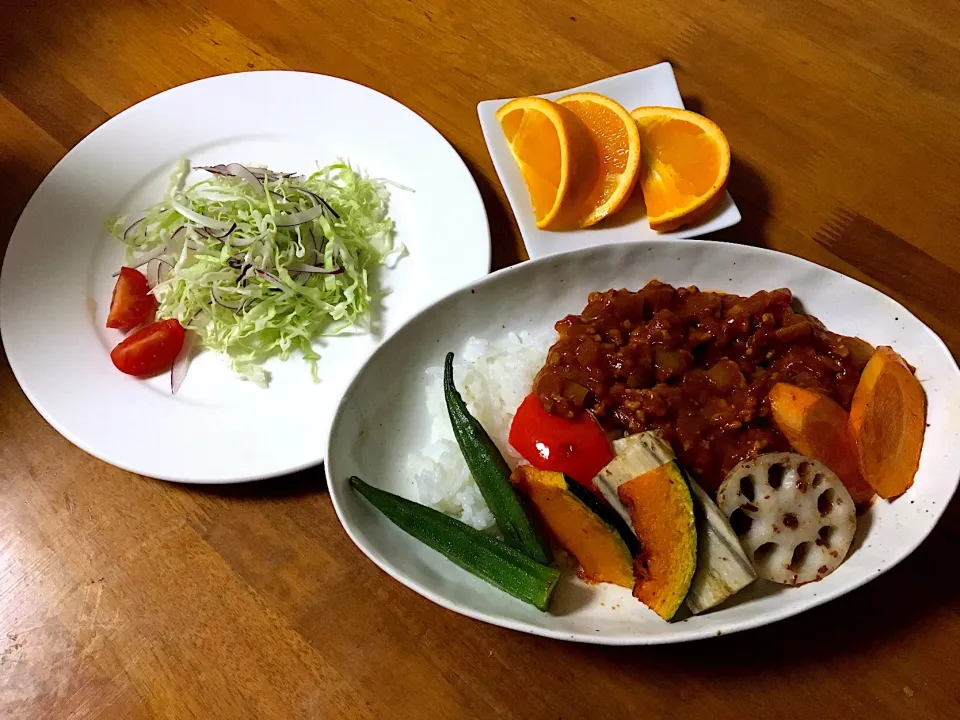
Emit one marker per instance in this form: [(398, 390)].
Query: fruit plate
[(384, 416), (655, 85), (57, 282)]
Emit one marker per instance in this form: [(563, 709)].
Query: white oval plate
[(218, 428), (382, 417), (655, 85)]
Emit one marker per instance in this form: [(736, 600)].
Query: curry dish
[(697, 366)]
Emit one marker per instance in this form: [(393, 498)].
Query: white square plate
[(654, 85)]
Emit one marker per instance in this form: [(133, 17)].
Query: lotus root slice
[(794, 517)]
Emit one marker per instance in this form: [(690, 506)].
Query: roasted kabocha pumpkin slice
[(661, 511), (722, 568), (646, 486), (575, 520)]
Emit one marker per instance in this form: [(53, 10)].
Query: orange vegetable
[(887, 419), (817, 426), (860, 351), (598, 545), (661, 510)]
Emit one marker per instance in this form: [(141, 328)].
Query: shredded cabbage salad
[(258, 263)]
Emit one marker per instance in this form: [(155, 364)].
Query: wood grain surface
[(123, 597)]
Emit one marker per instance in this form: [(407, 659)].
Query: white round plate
[(56, 281), (383, 417)]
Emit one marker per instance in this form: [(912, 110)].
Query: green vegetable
[(266, 288), (491, 473), (477, 553)]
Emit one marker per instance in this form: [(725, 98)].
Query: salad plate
[(59, 270), (393, 413), (651, 86)]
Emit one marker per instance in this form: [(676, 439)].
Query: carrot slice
[(817, 426), (887, 420)]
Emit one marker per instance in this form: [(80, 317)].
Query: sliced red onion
[(179, 369), (299, 218), (242, 172), (199, 219), (318, 199), (197, 318), (272, 279), (234, 170), (265, 174), (309, 242), (314, 198), (143, 260), (158, 269), (148, 256), (241, 264), (215, 169), (210, 234), (132, 226), (258, 172), (153, 272), (163, 269), (214, 293), (313, 269), (330, 208)]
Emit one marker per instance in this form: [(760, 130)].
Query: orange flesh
[(817, 426), (663, 520), (680, 163), (887, 420), (537, 147), (612, 146), (602, 554)]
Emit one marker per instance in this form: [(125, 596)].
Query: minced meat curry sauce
[(695, 365)]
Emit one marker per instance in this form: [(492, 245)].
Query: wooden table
[(123, 597)]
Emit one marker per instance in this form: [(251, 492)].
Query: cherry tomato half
[(131, 303), (578, 447), (149, 350)]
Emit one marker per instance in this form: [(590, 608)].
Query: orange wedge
[(686, 160), (618, 147), (556, 155)]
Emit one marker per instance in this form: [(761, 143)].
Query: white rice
[(493, 376)]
